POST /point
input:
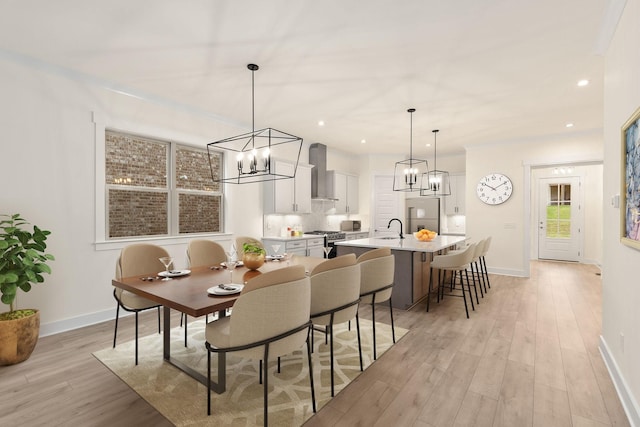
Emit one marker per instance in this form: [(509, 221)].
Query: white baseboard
[(507, 272), (626, 396), (59, 326)]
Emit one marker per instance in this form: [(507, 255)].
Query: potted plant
[(22, 261), (253, 255)]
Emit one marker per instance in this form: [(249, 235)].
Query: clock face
[(494, 189)]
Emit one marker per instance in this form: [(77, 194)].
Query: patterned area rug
[(183, 400)]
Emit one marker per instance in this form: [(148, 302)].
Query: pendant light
[(409, 171), (253, 151), (437, 181)]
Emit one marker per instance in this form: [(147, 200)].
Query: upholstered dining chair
[(202, 252), (134, 260), (241, 240), (335, 294), (377, 269), (270, 318), (455, 263)]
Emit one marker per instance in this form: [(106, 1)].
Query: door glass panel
[(559, 211)]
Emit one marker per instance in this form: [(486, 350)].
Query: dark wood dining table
[(188, 294)]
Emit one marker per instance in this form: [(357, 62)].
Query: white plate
[(217, 290), (240, 264), (274, 257), (174, 273)]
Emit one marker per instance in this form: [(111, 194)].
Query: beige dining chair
[(270, 319), (377, 269), (202, 252), (456, 263), (241, 240), (136, 260), (335, 294)]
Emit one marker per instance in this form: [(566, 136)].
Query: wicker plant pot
[(18, 338)]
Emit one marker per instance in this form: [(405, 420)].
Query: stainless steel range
[(330, 238)]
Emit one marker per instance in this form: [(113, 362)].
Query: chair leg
[(478, 275), (158, 319), (359, 342), (260, 370), (464, 297), (208, 382), (393, 329), (486, 272), (136, 338), (373, 325), (266, 383), (331, 353), (185, 330), (115, 330), (468, 287), (313, 393), (278, 364), (428, 290), (474, 282)]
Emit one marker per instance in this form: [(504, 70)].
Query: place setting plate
[(240, 264), (274, 257), (174, 273), (225, 289)]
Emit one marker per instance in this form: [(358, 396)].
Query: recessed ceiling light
[(320, 122), (428, 144), (583, 82), (569, 125), (364, 141)]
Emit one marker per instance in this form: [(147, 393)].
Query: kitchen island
[(412, 266)]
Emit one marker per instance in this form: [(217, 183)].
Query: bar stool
[(455, 263)]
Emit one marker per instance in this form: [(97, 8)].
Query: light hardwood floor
[(527, 357)]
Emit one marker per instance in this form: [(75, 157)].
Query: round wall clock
[(494, 188)]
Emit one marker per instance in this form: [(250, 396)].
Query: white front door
[(559, 219), (387, 203)]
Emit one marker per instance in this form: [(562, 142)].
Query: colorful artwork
[(631, 183)]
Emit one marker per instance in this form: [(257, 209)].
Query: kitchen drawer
[(298, 244), (318, 241)]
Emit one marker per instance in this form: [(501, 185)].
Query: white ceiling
[(481, 71)]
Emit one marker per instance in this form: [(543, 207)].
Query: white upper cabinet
[(288, 196), (343, 187), (454, 204)]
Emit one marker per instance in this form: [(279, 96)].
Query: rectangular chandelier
[(252, 155)]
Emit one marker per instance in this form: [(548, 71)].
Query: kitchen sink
[(388, 238)]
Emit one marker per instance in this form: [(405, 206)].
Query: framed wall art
[(630, 192)]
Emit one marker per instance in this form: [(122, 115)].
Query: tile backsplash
[(320, 218)]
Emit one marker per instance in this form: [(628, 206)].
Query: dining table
[(189, 294)]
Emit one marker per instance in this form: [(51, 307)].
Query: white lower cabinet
[(315, 247)]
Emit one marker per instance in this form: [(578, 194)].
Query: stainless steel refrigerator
[(422, 213)]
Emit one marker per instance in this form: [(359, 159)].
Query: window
[(559, 211), (159, 188)]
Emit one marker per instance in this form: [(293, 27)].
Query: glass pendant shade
[(251, 153), (408, 174), (436, 182)]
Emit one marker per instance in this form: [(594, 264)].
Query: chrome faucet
[(396, 219)]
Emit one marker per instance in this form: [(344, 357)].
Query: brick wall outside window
[(140, 195)]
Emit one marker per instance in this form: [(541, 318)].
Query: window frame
[(102, 241)]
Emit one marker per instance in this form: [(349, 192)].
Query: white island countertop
[(409, 243)]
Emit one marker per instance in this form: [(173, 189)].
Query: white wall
[(620, 283), (508, 223), (49, 168)]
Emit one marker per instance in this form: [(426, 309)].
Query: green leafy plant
[(252, 248), (22, 257)]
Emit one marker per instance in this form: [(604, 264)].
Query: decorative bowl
[(425, 236), (253, 261)]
